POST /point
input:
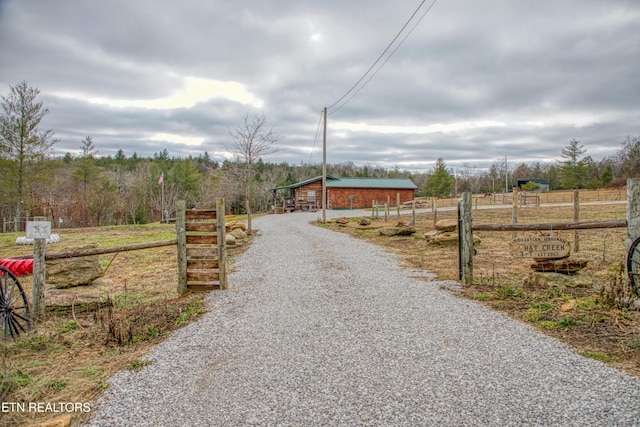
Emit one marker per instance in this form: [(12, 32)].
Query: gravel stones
[(318, 328)]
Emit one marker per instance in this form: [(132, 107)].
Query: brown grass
[(68, 357), (594, 320)]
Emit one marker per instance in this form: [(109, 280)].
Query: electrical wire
[(316, 138), (386, 60), (381, 56)]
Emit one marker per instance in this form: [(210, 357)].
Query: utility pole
[(506, 176), (324, 167)]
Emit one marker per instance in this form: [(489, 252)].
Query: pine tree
[(440, 182), (572, 172)]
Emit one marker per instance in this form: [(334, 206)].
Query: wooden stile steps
[(203, 251)]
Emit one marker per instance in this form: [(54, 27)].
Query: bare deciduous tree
[(251, 141)]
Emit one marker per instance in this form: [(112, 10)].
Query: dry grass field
[(596, 320), (68, 356)]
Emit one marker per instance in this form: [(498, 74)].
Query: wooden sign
[(542, 247)]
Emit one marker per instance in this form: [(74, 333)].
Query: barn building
[(343, 193)]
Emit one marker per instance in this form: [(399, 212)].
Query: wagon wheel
[(633, 265), (14, 307)]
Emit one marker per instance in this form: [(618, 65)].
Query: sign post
[(39, 231)]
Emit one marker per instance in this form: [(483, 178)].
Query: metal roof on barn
[(333, 182)]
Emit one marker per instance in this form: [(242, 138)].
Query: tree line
[(87, 189)]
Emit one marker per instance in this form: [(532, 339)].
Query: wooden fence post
[(633, 210), (466, 258), (181, 233), (39, 278), (413, 212), (222, 243), (514, 211), (434, 209), (576, 218)]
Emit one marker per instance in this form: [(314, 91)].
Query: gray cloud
[(475, 81)]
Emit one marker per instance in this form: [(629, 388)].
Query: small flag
[(161, 180)]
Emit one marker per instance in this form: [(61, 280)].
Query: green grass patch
[(13, 381), (58, 385), (542, 305), (566, 323), (481, 297), (193, 309), (509, 292), (67, 327), (597, 355), (138, 364), (549, 325), (35, 344), (91, 371)]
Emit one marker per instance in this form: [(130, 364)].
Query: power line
[(316, 138), (382, 55), (387, 58)]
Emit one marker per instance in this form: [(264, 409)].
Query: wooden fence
[(466, 226), (200, 244)]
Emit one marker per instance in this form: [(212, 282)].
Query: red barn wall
[(339, 197)]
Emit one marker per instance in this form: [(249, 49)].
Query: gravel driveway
[(320, 329)]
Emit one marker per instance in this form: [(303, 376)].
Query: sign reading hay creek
[(542, 247)]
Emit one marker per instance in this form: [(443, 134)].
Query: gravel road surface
[(320, 329)]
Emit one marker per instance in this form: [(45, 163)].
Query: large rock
[(230, 240), (364, 221), (342, 220), (239, 234), (557, 280), (70, 272), (447, 225), (442, 239), (397, 231), (236, 225), (80, 298)]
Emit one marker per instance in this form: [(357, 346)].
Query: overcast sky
[(474, 82)]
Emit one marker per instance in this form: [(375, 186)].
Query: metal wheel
[(14, 307), (633, 265)]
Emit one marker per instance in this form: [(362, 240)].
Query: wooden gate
[(201, 248)]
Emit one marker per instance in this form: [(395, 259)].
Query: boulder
[(70, 272), (342, 220), (79, 298), (238, 234), (230, 240), (236, 225), (447, 225), (364, 221), (443, 239), (557, 280), (397, 231)]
